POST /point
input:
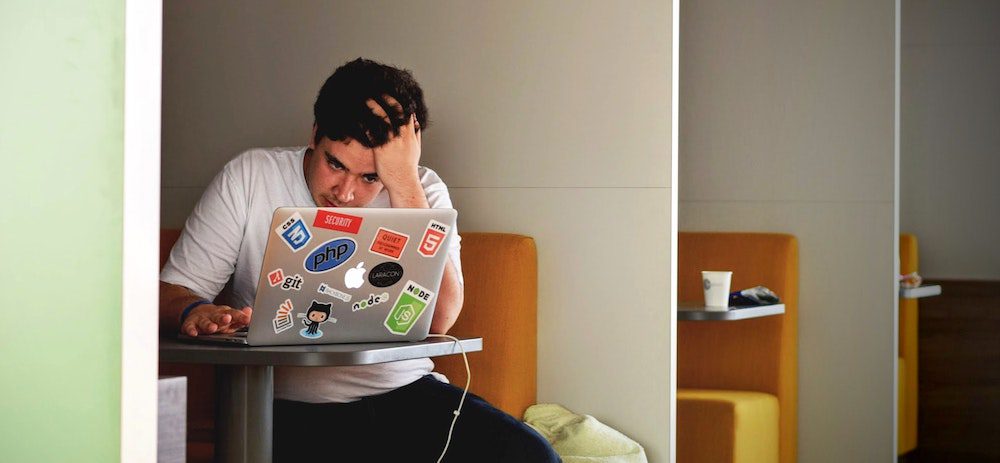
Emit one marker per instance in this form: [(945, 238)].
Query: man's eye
[(335, 164), (370, 178)]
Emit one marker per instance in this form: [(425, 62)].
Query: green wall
[(61, 146)]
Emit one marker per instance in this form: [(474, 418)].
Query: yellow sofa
[(501, 293), (907, 400), (737, 380)]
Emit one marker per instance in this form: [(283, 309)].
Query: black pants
[(409, 424)]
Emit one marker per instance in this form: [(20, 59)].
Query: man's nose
[(345, 191)]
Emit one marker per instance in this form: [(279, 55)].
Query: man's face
[(341, 174)]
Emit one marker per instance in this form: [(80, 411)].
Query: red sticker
[(389, 243), (338, 222), (276, 277), (433, 237)]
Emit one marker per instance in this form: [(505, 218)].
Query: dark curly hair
[(341, 110)]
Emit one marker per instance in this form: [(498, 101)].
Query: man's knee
[(528, 446)]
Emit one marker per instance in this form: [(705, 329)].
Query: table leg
[(246, 411)]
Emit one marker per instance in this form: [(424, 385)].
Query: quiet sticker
[(433, 237), (293, 232), (338, 222), (408, 307), (389, 243)]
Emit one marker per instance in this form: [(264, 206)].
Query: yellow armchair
[(907, 401)]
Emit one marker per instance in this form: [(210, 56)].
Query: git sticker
[(337, 222), (389, 243), (408, 307), (293, 232), (433, 237), (283, 317), (276, 277)]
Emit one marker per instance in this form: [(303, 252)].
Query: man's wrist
[(190, 307), (407, 193)]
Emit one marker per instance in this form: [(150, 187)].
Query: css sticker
[(355, 277), (433, 237), (385, 274), (330, 291), (389, 243), (372, 300), (293, 232), (408, 307), (283, 317), (292, 282), (330, 255), (317, 314), (275, 277), (338, 222)]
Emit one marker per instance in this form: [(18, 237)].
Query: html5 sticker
[(337, 222), (293, 232), (389, 243), (433, 238)]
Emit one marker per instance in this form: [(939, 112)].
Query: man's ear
[(312, 138)]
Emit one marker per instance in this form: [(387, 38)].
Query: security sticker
[(389, 243), (331, 291), (292, 282), (433, 237), (293, 232), (385, 274), (283, 317), (317, 314), (337, 222), (372, 300), (275, 277), (408, 307)]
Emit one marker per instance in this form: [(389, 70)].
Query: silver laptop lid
[(336, 275)]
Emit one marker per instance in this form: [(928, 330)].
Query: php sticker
[(337, 222), (433, 238), (275, 277), (283, 317), (385, 274), (372, 300), (330, 255), (293, 232), (389, 243), (408, 307), (330, 291)]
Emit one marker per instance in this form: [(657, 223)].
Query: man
[(364, 152)]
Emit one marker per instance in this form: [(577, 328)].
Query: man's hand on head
[(215, 319), (396, 161)]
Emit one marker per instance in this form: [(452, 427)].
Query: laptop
[(343, 275)]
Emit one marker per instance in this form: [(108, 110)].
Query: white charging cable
[(468, 381)]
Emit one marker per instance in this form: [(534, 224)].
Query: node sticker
[(337, 222), (283, 317), (389, 243), (275, 277), (330, 291), (385, 274), (293, 232), (408, 307), (433, 237), (330, 255), (317, 314), (372, 300)]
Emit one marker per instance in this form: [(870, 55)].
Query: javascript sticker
[(408, 308)]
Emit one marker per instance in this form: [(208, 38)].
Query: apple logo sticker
[(355, 277)]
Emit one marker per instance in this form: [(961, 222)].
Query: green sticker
[(408, 307)]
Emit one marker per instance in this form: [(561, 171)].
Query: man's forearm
[(173, 300), (451, 295)]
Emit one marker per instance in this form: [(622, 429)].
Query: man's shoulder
[(266, 157)]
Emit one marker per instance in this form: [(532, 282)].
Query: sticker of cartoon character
[(317, 314)]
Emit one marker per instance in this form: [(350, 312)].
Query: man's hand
[(212, 319), (396, 161)]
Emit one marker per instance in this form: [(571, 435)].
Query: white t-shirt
[(225, 236)]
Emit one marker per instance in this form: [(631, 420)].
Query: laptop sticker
[(372, 300), (275, 277), (433, 237), (408, 307), (330, 255), (283, 317), (331, 291), (293, 232), (292, 282), (355, 277), (337, 222), (385, 274), (317, 314), (389, 243)]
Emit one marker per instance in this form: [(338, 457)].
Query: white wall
[(550, 119), (950, 145), (787, 125)]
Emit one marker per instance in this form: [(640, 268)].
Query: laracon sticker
[(389, 243), (292, 282), (330, 255), (385, 274), (275, 277), (317, 314), (283, 317), (408, 307), (433, 237), (293, 232), (331, 291), (338, 222), (372, 300)]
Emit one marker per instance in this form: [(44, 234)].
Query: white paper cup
[(716, 286)]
